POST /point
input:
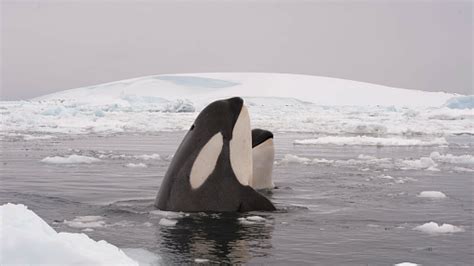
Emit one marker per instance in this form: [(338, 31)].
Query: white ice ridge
[(71, 159), (434, 228), (371, 141), (28, 240)]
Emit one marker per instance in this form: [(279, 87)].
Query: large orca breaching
[(212, 168)]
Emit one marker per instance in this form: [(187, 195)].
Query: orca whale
[(263, 154), (212, 167)]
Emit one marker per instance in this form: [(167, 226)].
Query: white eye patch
[(206, 161), (241, 148)]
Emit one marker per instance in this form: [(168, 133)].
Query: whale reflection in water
[(219, 238)]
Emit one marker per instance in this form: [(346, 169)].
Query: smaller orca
[(263, 153), (212, 168)]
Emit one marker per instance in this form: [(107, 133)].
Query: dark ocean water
[(328, 213)]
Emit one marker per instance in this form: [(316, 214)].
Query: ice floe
[(432, 194), (167, 222), (433, 162), (28, 240), (434, 228), (71, 159), (201, 260), (136, 165), (453, 159), (251, 220), (406, 264), (294, 159), (86, 222), (146, 157), (422, 163), (371, 141)]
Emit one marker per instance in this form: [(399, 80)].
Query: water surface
[(328, 213)]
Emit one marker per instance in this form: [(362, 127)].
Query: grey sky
[(54, 45)]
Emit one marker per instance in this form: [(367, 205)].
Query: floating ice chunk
[(28, 240), (154, 156), (406, 264), (321, 160), (168, 214), (432, 194), (136, 165), (71, 159), (86, 222), (422, 163), (201, 260), (366, 157), (251, 220), (453, 159), (255, 218), (294, 159), (461, 102), (167, 222), (434, 228), (245, 221), (37, 137), (371, 141), (463, 169)]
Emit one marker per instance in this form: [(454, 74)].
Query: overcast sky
[(55, 45)]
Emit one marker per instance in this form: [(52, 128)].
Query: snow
[(434, 228), (371, 141), (278, 102), (136, 165), (461, 102), (71, 159), (432, 194), (27, 239)]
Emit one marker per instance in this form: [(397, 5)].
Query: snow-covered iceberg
[(28, 240), (205, 87), (278, 102)]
